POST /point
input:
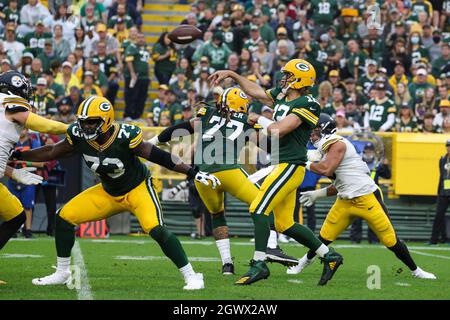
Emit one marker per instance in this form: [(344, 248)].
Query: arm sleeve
[(181, 129), (389, 122), (43, 125), (366, 119)]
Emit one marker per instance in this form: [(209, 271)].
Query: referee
[(443, 199)]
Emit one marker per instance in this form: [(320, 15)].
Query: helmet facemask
[(90, 128), (287, 81)]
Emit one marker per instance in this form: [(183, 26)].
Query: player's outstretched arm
[(280, 128), (45, 153), (327, 166), (167, 160), (249, 87), (175, 131), (37, 123)]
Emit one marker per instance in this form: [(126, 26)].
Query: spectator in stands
[(158, 106), (25, 193), (36, 70), (175, 114), (427, 125), (11, 13), (251, 43), (282, 34), (98, 10), (352, 114), (66, 78), (5, 65), (202, 87), (164, 55), (55, 89), (35, 40), (406, 121), (342, 125), (398, 76), (112, 45), (336, 103), (67, 20), (100, 79), (61, 46), (12, 46), (439, 232), (74, 98), (441, 64), (137, 80), (131, 10), (64, 113), (49, 55), (264, 57), (373, 118), (368, 79), (120, 16), (43, 101), (417, 88), (107, 65), (30, 15), (216, 51), (89, 88), (402, 95), (444, 108)]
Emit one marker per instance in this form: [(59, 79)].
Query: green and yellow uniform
[(379, 111), (410, 126), (222, 159), (418, 53), (36, 42), (365, 83), (278, 191), (140, 58), (166, 65), (175, 113), (93, 91), (127, 20), (11, 15), (56, 90), (108, 64), (324, 11), (125, 180), (155, 111), (218, 56)]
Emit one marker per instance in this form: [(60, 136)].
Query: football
[(185, 33)]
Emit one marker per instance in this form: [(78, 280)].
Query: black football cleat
[(258, 271), (277, 255), (331, 262), (228, 269)]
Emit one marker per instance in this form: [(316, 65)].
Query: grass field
[(124, 267)]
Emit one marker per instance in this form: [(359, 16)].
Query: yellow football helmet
[(297, 73), (234, 99), (95, 116)]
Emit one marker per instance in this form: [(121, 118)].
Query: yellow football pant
[(10, 206), (96, 204), (369, 207), (233, 181), (278, 193)]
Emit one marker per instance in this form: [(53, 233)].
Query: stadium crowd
[(381, 65)]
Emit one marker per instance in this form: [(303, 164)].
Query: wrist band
[(264, 122)]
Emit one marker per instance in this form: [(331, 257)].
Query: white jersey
[(9, 131), (352, 175)]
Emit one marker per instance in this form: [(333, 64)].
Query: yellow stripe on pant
[(10, 206), (233, 181), (279, 193), (96, 204), (369, 207)]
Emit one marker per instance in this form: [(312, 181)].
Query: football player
[(224, 128), (295, 115), (358, 196), (111, 151), (15, 114)]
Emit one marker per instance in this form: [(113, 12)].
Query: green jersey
[(292, 146), (108, 64), (228, 37), (366, 82), (168, 64), (410, 126), (324, 11), (45, 105), (114, 162), (36, 41), (418, 53), (439, 66), (379, 111), (56, 90), (220, 142), (175, 113), (218, 56), (126, 19), (140, 58), (155, 111), (11, 15)]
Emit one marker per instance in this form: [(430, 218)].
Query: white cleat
[(303, 262), (195, 282), (59, 277), (421, 274), (283, 239)]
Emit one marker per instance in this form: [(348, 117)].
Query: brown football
[(184, 34)]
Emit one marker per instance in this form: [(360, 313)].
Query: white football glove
[(154, 140), (24, 176), (205, 178), (314, 155), (309, 197)]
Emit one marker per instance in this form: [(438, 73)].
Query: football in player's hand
[(184, 34)]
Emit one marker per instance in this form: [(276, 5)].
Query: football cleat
[(331, 262), (59, 277), (194, 282), (258, 271), (228, 269), (277, 255), (421, 274), (303, 262), (283, 239)]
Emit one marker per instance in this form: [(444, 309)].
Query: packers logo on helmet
[(95, 116), (234, 99), (297, 74)]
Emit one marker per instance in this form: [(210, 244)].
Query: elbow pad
[(44, 125)]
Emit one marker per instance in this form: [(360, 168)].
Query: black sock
[(312, 253), (9, 228), (64, 237), (401, 251)]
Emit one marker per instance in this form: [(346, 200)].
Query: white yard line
[(402, 284), (152, 258), (19, 255), (430, 254), (84, 292)]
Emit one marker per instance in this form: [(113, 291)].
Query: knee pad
[(160, 234)]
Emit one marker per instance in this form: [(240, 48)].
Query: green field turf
[(134, 268)]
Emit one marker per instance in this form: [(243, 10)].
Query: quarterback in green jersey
[(295, 115), (223, 131), (111, 151)]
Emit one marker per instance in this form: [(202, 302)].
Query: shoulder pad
[(16, 104), (326, 141)]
